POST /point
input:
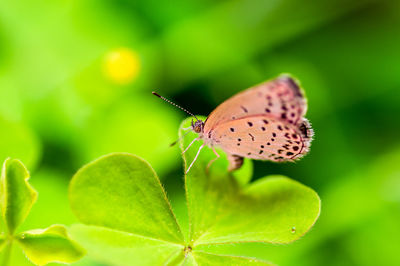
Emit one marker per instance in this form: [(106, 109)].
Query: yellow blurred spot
[(122, 65)]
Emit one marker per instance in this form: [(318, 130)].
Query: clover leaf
[(127, 218), (41, 246)]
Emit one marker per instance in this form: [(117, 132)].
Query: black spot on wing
[(252, 137), (286, 146)]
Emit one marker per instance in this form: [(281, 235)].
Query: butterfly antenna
[(174, 104)]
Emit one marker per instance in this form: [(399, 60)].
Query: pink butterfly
[(265, 122)]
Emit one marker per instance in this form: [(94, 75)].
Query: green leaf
[(2, 241), (189, 260), (244, 174), (204, 258), (17, 196), (52, 244), (121, 191), (121, 248), (273, 209)]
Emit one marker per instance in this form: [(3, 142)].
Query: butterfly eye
[(198, 126)]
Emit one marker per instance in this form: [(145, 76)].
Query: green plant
[(128, 219), (41, 246)]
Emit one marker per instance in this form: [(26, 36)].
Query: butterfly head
[(198, 126)]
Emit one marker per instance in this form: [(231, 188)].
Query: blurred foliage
[(19, 141), (64, 102)]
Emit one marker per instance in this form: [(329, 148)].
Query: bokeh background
[(76, 80)]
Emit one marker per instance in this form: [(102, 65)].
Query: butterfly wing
[(281, 98), (263, 137)]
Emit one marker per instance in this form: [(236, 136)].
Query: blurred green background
[(76, 80)]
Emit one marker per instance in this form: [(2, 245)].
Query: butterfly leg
[(189, 145), (195, 158), (180, 138), (213, 160)]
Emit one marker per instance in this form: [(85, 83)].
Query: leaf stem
[(7, 252)]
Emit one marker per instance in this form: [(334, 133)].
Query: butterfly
[(264, 122)]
